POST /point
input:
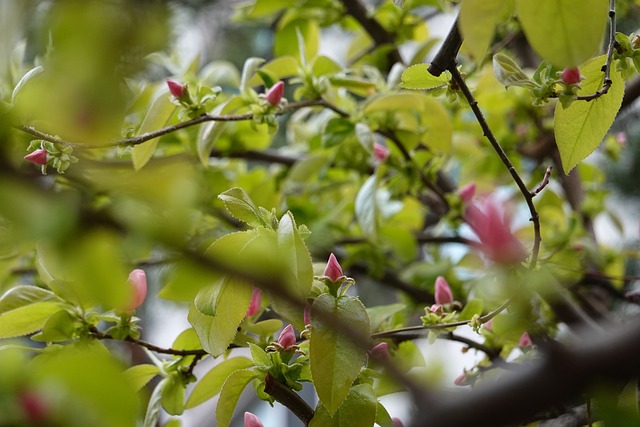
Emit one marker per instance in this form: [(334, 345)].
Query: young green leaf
[(160, 112), (509, 73), (358, 410), (211, 383), (417, 77), (366, 207), (23, 295), (230, 393), (580, 127), (173, 395), (240, 205), (27, 319), (563, 32), (478, 20), (335, 359), (140, 375)]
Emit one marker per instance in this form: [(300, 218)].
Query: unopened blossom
[(177, 89), (37, 157), (489, 219), (252, 420), (571, 75), (307, 314), (138, 281), (461, 379), (397, 422), (380, 152), (443, 292), (333, 270), (621, 138), (256, 302), (488, 325), (525, 340), (287, 337), (467, 192), (274, 94), (380, 351), (33, 406)]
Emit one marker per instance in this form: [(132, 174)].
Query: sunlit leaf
[(477, 21), (211, 383), (27, 319), (230, 393), (140, 375), (358, 410), (161, 110)]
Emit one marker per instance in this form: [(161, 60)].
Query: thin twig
[(288, 398), (545, 181), (172, 351)]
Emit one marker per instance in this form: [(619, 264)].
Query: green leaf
[(27, 319), (478, 20), (173, 395), (140, 375), (23, 295), (299, 272), (335, 359), (153, 408), (218, 311), (417, 77), (509, 73), (278, 69), (366, 207), (59, 327), (260, 357), (159, 114), (336, 131), (286, 40), (358, 410), (564, 32), (472, 308), (581, 126), (230, 393), (264, 328), (365, 136), (240, 205), (211, 383), (248, 71), (24, 80), (383, 419), (380, 313)]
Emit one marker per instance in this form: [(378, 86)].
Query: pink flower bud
[(443, 292), (274, 94), (436, 308), (333, 270), (489, 219), (287, 337), (177, 89), (571, 75), (138, 281), (397, 422), (621, 138), (380, 351), (467, 192), (525, 340), (307, 314), (256, 302), (380, 152), (488, 325), (251, 420), (37, 157), (33, 406), (461, 379)]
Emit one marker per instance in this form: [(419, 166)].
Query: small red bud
[(443, 292), (287, 337), (256, 302), (525, 340), (460, 379), (34, 407), (307, 314), (177, 89), (251, 420), (37, 157), (571, 76), (138, 281), (333, 270), (274, 94), (380, 351), (397, 422), (380, 152), (467, 192)]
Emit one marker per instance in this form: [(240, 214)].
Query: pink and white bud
[(488, 325), (275, 93), (436, 308), (380, 152), (177, 89), (571, 75), (525, 340), (467, 192), (287, 337), (461, 379), (621, 138), (489, 219), (256, 302), (252, 420), (396, 422), (307, 314), (333, 270), (443, 292), (138, 281), (37, 157), (380, 351)]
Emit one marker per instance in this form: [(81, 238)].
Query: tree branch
[(288, 398)]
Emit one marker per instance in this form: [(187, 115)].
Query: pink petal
[(333, 270), (443, 292), (138, 281), (287, 337), (274, 95)]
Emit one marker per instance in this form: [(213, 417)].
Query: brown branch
[(377, 32), (446, 56), (172, 351), (288, 398)]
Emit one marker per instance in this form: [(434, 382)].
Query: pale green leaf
[(248, 71), (366, 207), (358, 410), (153, 407), (27, 319), (564, 32), (472, 308), (240, 205), (581, 126), (380, 313), (417, 77), (286, 42), (24, 80), (365, 136), (335, 358), (477, 21), (509, 73), (22, 295), (231, 391), (59, 327), (211, 383), (173, 395), (278, 69), (140, 375), (211, 131), (159, 114), (260, 357)]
